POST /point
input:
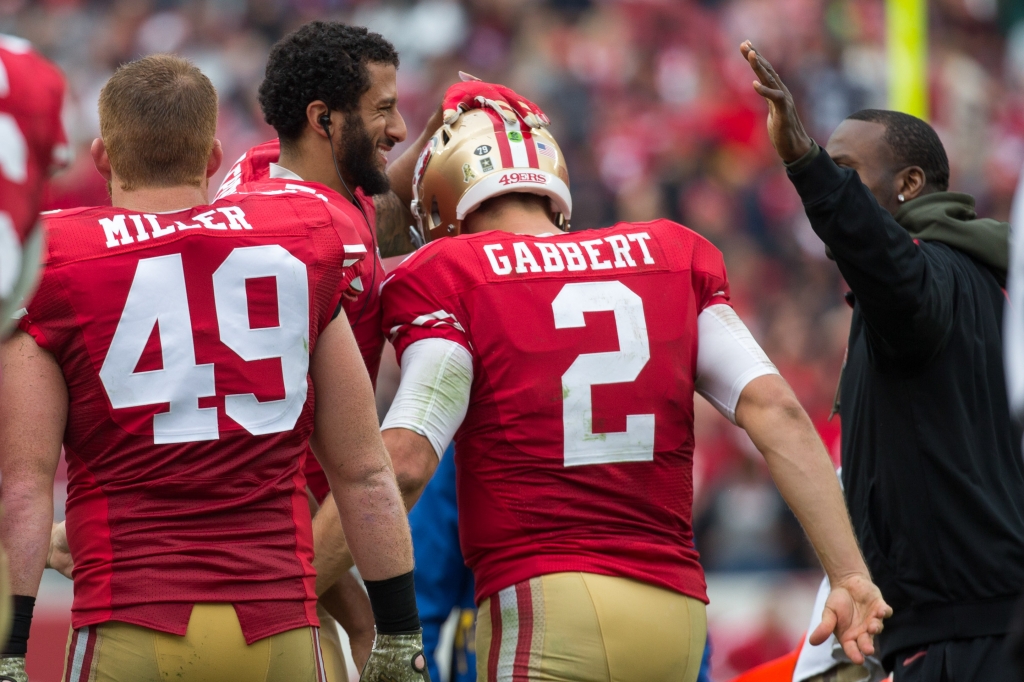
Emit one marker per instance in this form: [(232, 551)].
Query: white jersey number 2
[(158, 298), (582, 445)]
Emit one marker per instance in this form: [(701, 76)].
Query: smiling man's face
[(372, 130)]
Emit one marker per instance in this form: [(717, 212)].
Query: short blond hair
[(158, 118)]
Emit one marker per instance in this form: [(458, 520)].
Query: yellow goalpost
[(906, 24)]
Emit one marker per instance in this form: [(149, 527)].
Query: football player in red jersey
[(32, 145), (173, 348), (564, 365), (330, 91)]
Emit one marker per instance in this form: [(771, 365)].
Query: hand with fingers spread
[(854, 612), (785, 130), (472, 93)]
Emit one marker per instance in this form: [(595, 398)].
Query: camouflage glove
[(12, 669), (396, 658)]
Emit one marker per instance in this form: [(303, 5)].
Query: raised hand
[(473, 93), (785, 130), (854, 612)]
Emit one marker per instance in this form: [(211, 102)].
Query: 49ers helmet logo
[(515, 178)]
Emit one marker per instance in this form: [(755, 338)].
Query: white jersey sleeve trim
[(433, 393), (728, 358)]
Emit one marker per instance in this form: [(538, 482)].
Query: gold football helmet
[(481, 156)]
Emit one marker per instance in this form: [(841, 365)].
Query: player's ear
[(98, 150), (315, 110), (216, 158)]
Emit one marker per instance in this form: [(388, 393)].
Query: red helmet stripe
[(531, 146), (499, 134)]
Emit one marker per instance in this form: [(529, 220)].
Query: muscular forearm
[(25, 531), (33, 414), (374, 524), (393, 221), (802, 471)]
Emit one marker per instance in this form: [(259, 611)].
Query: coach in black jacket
[(931, 466)]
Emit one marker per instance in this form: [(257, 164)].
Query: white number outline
[(581, 445)]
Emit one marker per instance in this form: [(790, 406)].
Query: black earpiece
[(325, 122)]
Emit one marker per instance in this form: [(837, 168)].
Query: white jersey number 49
[(582, 445), (158, 298)]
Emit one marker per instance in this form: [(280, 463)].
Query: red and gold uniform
[(184, 339), (574, 459)]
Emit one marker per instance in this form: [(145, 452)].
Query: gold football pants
[(212, 650), (335, 667), (584, 627)]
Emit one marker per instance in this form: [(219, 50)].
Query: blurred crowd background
[(654, 110)]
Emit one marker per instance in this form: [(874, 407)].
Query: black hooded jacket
[(931, 464)]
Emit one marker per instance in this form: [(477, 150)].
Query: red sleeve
[(710, 281), (26, 325), (415, 309), (354, 254), (44, 313)]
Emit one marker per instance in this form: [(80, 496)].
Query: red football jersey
[(32, 143), (185, 339), (576, 451), (363, 311)]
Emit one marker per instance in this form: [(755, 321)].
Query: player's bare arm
[(346, 440), (414, 461), (33, 411), (394, 220), (782, 431)]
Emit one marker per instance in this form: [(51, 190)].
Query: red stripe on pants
[(90, 648), (69, 661), (492, 655), (524, 601)]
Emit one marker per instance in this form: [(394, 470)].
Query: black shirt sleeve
[(905, 291)]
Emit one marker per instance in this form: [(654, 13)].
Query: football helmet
[(479, 156)]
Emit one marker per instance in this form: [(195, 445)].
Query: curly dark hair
[(322, 60), (913, 143)]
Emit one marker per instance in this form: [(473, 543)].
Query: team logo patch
[(486, 165), (467, 172), (515, 136), (482, 149)]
